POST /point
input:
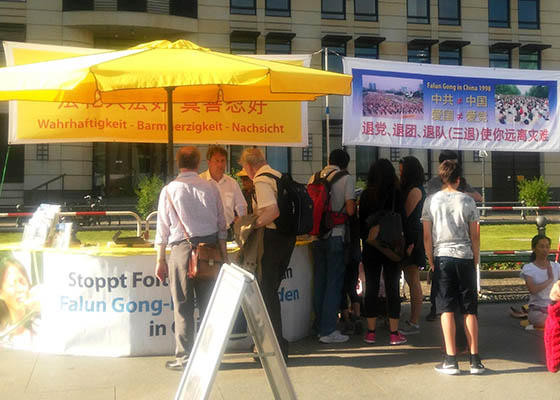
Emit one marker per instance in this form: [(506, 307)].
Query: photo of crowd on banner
[(527, 106), (385, 97)]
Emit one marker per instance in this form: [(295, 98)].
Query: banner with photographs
[(396, 104)]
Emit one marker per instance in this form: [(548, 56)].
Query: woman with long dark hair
[(381, 193), (412, 186), (540, 275)]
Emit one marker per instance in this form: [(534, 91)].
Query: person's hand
[(409, 249), (161, 270), (555, 292)]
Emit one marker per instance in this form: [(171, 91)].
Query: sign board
[(396, 104), (233, 288), (280, 123)]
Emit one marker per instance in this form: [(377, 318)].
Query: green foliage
[(534, 192), (361, 184), (507, 89), (538, 91), (148, 192)]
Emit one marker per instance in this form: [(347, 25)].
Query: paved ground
[(514, 358)]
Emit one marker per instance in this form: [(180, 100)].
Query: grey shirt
[(450, 214), (341, 191)]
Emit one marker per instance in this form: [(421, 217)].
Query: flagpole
[(169, 174), (327, 111)]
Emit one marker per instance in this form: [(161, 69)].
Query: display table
[(106, 301)]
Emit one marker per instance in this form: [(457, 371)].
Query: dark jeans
[(278, 249)]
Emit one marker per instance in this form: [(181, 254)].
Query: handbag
[(386, 233), (205, 260)]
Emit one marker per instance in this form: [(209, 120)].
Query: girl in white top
[(540, 274)]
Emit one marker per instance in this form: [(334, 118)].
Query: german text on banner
[(241, 122), (396, 104)]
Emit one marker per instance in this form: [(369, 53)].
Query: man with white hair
[(278, 246)]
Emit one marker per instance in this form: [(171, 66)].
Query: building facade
[(485, 33)]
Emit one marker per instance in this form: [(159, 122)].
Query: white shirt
[(199, 205), (540, 275), (266, 190), (232, 197)]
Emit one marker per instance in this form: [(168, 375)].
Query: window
[(365, 156), (418, 12), (365, 10), (449, 12), (243, 42), (10, 32), (336, 46), (529, 14), (363, 50), (247, 7), (184, 8), (500, 59), (279, 43), (333, 9), (529, 60), (395, 154), (498, 13), (15, 166), (450, 57), (77, 5), (422, 55), (132, 5), (335, 137), (42, 152), (277, 8), (307, 152)]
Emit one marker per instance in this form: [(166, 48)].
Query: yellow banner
[(249, 123)]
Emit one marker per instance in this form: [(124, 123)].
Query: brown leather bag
[(205, 262)]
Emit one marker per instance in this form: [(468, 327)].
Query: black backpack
[(295, 205)]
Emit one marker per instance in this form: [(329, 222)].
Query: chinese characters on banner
[(395, 104), (247, 122)]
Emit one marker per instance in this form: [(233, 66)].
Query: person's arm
[(428, 244), (161, 271), (267, 215), (350, 207), (535, 288), (239, 201), (412, 200), (555, 292), (475, 240), (469, 191)]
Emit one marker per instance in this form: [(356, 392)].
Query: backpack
[(386, 233), (296, 208), (324, 218)]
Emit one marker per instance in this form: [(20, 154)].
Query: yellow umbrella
[(186, 72)]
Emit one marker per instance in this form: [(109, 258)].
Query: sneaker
[(477, 368), (334, 337), (370, 337), (175, 365), (397, 339), (410, 329), (448, 367)]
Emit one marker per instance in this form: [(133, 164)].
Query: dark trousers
[(182, 294), (373, 262), (278, 249)]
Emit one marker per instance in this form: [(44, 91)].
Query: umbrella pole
[(169, 91)]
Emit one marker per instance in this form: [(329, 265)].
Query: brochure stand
[(235, 287)]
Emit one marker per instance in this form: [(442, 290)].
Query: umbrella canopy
[(164, 71)]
